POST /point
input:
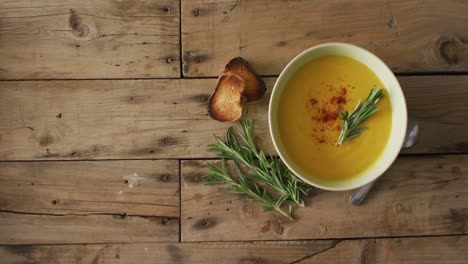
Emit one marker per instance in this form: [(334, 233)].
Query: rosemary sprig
[(243, 186), (351, 121), (269, 181)]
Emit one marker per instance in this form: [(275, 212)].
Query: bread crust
[(255, 87), (228, 100)]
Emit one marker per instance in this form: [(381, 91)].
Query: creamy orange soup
[(308, 119)]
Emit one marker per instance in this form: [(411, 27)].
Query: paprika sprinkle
[(325, 113)]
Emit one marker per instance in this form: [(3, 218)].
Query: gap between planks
[(406, 74), (211, 158), (244, 241)]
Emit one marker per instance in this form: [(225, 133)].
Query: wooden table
[(104, 127)]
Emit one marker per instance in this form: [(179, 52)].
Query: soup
[(309, 123)]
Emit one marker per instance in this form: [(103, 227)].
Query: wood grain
[(418, 195), (89, 202), (391, 251), (116, 119), (66, 229), (66, 39), (408, 35), (144, 188)]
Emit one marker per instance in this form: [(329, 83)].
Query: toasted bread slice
[(254, 86), (228, 100)]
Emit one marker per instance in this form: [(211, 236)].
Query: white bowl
[(397, 100)]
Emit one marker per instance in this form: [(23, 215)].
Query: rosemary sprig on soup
[(309, 122), (352, 121)]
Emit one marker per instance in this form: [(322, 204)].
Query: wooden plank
[(66, 39), (399, 250), (168, 118), (419, 195), (89, 201), (439, 109), (65, 229), (407, 35), (144, 188)]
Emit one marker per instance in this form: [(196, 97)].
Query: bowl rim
[(389, 159)]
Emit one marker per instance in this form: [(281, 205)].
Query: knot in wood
[(165, 177), (167, 141), (205, 223), (79, 29), (452, 50)]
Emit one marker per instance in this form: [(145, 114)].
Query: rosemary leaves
[(267, 180), (352, 121)]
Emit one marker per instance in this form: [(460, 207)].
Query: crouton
[(228, 100), (254, 86)]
